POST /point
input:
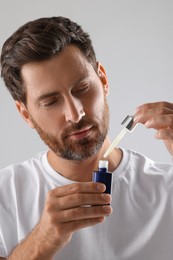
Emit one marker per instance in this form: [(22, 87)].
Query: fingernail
[(107, 209), (157, 135), (106, 197), (136, 118), (148, 124), (101, 187)]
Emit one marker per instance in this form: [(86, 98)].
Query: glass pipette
[(128, 126)]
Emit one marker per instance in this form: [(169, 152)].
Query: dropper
[(128, 126)]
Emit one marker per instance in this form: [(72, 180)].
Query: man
[(50, 69)]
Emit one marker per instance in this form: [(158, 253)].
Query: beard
[(77, 149)]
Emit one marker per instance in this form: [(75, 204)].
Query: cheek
[(95, 105), (53, 123), (49, 121)]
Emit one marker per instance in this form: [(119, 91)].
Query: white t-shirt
[(140, 227)]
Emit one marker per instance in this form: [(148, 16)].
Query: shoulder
[(143, 163), (135, 165), (22, 169), (19, 180), (143, 179)]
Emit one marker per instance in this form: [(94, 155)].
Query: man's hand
[(72, 207), (67, 209), (159, 116)]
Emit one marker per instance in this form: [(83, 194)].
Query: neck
[(82, 170)]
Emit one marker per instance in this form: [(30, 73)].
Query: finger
[(162, 104), (87, 222), (152, 114), (81, 213), (79, 224), (165, 134), (81, 199), (159, 122), (82, 187)]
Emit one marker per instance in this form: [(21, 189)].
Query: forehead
[(60, 71)]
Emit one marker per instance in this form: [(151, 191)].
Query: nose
[(73, 110)]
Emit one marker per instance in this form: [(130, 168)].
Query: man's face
[(66, 104)]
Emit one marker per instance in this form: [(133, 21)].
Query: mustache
[(84, 122)]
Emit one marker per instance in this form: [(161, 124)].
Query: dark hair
[(39, 40)]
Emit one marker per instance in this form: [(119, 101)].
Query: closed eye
[(51, 103), (81, 90)]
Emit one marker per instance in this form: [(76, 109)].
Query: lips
[(80, 134)]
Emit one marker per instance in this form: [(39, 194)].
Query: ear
[(24, 113), (103, 77)]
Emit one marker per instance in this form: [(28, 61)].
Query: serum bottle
[(103, 176)]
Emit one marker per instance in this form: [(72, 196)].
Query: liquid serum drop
[(103, 176)]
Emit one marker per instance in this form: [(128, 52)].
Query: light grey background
[(133, 39)]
